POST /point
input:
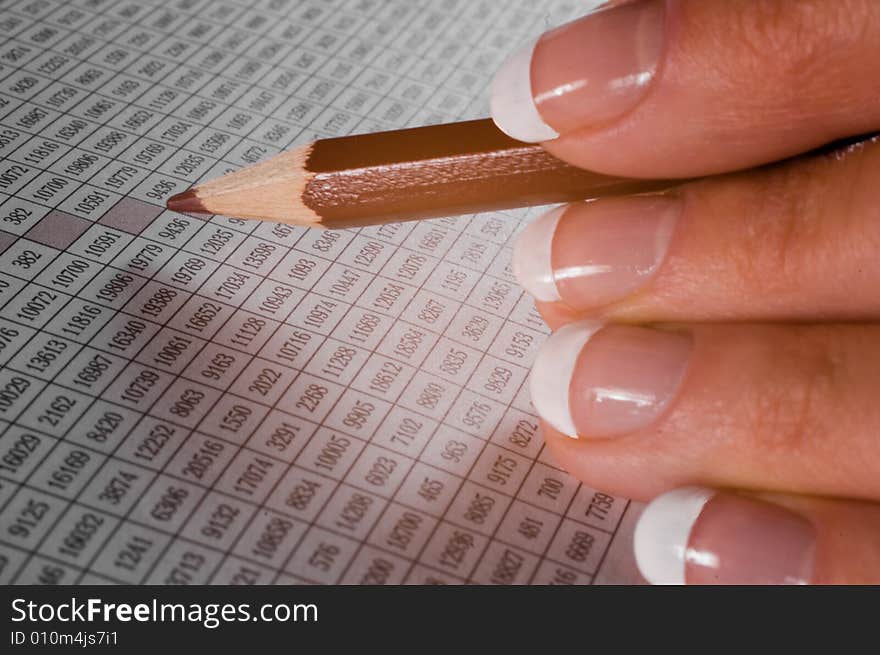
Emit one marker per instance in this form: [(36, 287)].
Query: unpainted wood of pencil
[(410, 174)]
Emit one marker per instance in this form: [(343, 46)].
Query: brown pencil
[(423, 172)]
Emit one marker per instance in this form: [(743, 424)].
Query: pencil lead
[(187, 202)]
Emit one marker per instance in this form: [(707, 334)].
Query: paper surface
[(189, 402)]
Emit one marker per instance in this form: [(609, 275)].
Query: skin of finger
[(556, 314), (797, 241), (742, 83), (771, 407), (847, 537)]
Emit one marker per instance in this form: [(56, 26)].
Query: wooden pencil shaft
[(443, 170)]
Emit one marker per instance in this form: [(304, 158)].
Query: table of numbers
[(192, 401)]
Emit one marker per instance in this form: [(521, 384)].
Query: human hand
[(760, 371)]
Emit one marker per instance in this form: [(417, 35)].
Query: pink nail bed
[(599, 382), (592, 254), (583, 74), (694, 535), (739, 540)]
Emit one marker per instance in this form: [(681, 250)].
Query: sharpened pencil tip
[(187, 202)]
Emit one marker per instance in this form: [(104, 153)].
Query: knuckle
[(783, 228), (857, 171), (800, 38), (799, 217), (788, 412)]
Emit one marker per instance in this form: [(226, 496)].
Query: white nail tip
[(532, 254), (553, 370), (662, 534), (511, 102)]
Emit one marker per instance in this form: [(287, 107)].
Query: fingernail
[(695, 535), (532, 259), (511, 102), (599, 381), (595, 253), (585, 73)]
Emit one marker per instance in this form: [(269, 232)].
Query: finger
[(772, 407), (696, 535), (794, 241), (679, 88), (555, 314)]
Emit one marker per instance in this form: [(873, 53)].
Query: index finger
[(680, 88)]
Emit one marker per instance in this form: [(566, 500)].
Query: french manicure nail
[(591, 254), (511, 103), (597, 381), (695, 535), (585, 73), (532, 259)]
